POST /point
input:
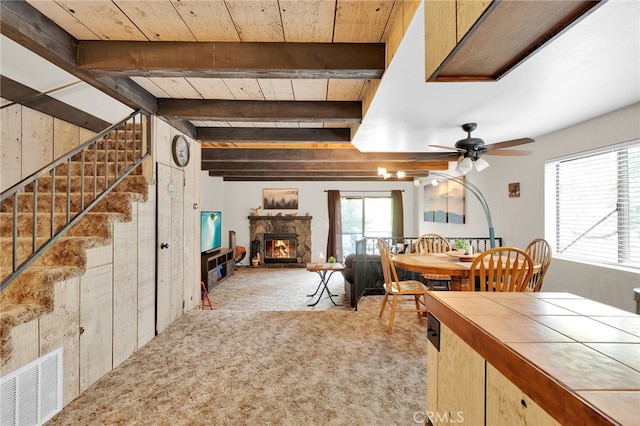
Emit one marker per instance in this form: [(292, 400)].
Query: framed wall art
[(280, 198), (444, 203)]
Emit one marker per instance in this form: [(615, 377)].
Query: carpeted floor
[(262, 356)]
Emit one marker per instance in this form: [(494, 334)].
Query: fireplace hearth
[(280, 248)]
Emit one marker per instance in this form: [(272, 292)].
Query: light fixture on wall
[(386, 175)]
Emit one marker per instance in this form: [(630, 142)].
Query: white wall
[(235, 200)]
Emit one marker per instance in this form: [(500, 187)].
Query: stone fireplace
[(281, 240)]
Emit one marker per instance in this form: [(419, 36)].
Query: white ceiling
[(591, 69)]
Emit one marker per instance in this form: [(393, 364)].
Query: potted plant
[(460, 245)]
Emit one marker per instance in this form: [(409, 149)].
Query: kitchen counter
[(579, 360)]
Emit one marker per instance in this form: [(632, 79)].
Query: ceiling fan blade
[(448, 148), (508, 144), (509, 152)]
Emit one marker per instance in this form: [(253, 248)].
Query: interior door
[(169, 250)]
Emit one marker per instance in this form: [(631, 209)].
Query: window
[(592, 206), (364, 216)]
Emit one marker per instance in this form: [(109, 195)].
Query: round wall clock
[(180, 150)]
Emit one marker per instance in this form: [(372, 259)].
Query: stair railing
[(136, 149)]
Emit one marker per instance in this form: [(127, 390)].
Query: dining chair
[(501, 269), (394, 289), (433, 243), (539, 250)]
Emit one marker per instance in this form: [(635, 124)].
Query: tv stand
[(216, 266)]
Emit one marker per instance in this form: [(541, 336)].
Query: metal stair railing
[(138, 148)]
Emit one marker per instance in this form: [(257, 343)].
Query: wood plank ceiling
[(274, 89)]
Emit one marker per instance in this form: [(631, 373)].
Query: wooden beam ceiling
[(314, 164), (171, 66), (256, 134), (233, 60), (268, 111)]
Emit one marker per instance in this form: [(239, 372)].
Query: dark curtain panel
[(334, 240), (397, 211)]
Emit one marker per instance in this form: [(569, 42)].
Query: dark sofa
[(371, 272)]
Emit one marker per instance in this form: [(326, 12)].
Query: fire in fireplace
[(280, 248)]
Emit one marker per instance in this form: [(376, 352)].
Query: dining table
[(455, 265)]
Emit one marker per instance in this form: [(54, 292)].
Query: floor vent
[(32, 394)]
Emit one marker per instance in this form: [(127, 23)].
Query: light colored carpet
[(263, 357)]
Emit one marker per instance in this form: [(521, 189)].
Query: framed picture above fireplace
[(280, 198)]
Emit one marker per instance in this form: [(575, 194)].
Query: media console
[(216, 266)]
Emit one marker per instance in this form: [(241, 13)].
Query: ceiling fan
[(471, 149)]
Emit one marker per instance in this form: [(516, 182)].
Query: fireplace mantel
[(281, 217)]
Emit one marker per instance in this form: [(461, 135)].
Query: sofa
[(370, 269)]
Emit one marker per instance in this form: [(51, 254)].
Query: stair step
[(119, 202), (68, 250), (100, 167), (91, 224), (90, 154), (21, 298), (135, 183)]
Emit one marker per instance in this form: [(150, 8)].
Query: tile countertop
[(577, 358)]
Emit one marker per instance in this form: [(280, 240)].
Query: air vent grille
[(32, 394)]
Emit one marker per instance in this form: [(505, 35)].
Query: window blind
[(592, 206)]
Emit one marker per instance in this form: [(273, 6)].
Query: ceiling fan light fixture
[(382, 171), (481, 164), (464, 165)]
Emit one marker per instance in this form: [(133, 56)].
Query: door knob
[(164, 246)]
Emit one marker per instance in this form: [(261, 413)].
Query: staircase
[(49, 220)]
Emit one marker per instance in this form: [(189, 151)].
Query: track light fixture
[(386, 175)]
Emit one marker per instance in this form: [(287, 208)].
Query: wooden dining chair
[(433, 243), (539, 250), (394, 289), (501, 269)]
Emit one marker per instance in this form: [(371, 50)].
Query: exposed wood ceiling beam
[(269, 111), (237, 60), (333, 166), (504, 35), (323, 155), (23, 95), (255, 134)]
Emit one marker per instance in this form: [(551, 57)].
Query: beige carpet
[(263, 357)]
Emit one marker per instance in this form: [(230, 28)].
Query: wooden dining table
[(440, 264)]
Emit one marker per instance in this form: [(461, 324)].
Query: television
[(210, 230)]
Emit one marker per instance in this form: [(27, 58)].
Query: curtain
[(397, 213), (334, 239)]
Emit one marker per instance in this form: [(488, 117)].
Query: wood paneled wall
[(103, 317), (30, 140)]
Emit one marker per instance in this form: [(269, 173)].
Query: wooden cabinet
[(520, 358), (508, 405), (216, 266), (455, 393)]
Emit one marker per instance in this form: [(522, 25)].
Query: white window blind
[(592, 206)]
